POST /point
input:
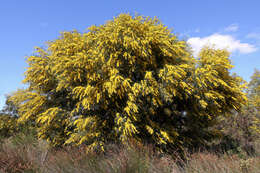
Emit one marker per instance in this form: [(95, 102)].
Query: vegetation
[(131, 95), (241, 130), (23, 153), (130, 78)]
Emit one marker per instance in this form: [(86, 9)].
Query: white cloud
[(232, 28), (220, 41)]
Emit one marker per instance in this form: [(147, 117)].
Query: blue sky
[(233, 24)]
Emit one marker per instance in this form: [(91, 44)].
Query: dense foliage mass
[(130, 78)]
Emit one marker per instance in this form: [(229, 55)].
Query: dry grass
[(210, 163), (25, 154)]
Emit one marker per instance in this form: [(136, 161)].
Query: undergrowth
[(24, 153)]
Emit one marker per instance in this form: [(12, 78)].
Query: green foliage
[(254, 101), (241, 131), (130, 78), (8, 119), (8, 125)]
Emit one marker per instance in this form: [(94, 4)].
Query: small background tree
[(8, 119), (241, 131)]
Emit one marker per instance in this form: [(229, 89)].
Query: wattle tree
[(129, 79)]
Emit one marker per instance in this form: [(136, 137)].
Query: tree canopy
[(131, 78)]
